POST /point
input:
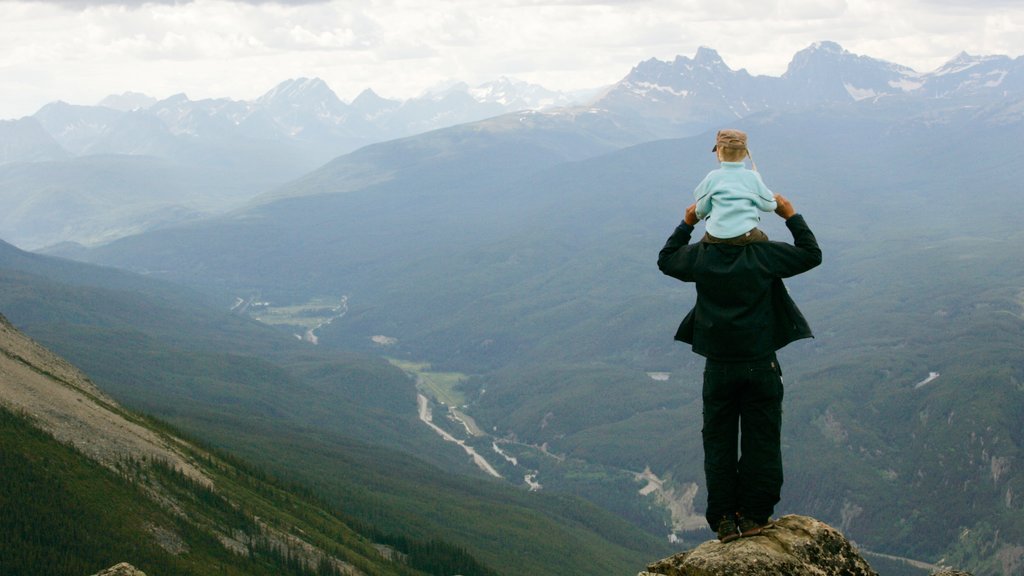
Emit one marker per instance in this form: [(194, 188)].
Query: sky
[(79, 51)]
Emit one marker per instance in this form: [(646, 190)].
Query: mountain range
[(207, 156)]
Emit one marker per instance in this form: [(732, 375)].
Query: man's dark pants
[(744, 399)]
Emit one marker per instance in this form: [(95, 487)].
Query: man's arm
[(804, 254), (671, 259)]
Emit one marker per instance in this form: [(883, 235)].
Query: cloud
[(241, 48), (82, 4)]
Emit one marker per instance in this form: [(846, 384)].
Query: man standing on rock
[(742, 316)]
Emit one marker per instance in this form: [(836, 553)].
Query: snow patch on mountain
[(859, 93)]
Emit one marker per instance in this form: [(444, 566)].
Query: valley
[(309, 318), (426, 415), (442, 389)]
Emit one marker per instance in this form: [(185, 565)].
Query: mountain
[(25, 140), (687, 96), (127, 101), (97, 198), (519, 95), (204, 155), (825, 72), (301, 114), (372, 106), (88, 483), (976, 76), (85, 130)]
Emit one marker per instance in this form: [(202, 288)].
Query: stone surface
[(122, 569), (793, 545)]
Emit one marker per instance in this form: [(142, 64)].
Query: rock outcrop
[(122, 569), (793, 545)]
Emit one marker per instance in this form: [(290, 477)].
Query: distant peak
[(445, 88), (964, 61), (819, 50), (823, 53), (301, 89), (504, 81), (368, 94), (827, 46), (127, 101), (707, 55), (176, 98), (370, 99)]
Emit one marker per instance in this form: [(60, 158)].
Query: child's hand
[(691, 215), (783, 207)]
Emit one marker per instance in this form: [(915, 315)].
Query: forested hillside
[(344, 426), (88, 484)]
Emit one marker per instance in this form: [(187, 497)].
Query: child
[(729, 198)]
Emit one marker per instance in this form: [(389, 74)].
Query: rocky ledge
[(122, 569), (793, 545)]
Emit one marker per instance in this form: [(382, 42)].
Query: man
[(742, 316)]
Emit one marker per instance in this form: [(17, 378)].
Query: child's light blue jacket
[(730, 198)]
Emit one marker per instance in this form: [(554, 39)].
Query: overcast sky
[(82, 50)]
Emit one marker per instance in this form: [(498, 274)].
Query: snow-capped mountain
[(967, 75), (84, 130), (687, 95), (304, 118), (688, 92), (212, 153), (519, 95), (825, 72), (302, 114), (301, 122)]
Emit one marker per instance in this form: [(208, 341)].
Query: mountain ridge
[(214, 154)]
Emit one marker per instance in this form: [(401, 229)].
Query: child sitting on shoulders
[(730, 197)]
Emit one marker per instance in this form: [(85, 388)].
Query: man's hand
[(691, 215), (783, 207)]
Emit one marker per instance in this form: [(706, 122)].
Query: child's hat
[(730, 139)]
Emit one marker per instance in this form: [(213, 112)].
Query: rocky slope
[(64, 402)]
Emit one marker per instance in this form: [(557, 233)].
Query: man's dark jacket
[(743, 310)]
